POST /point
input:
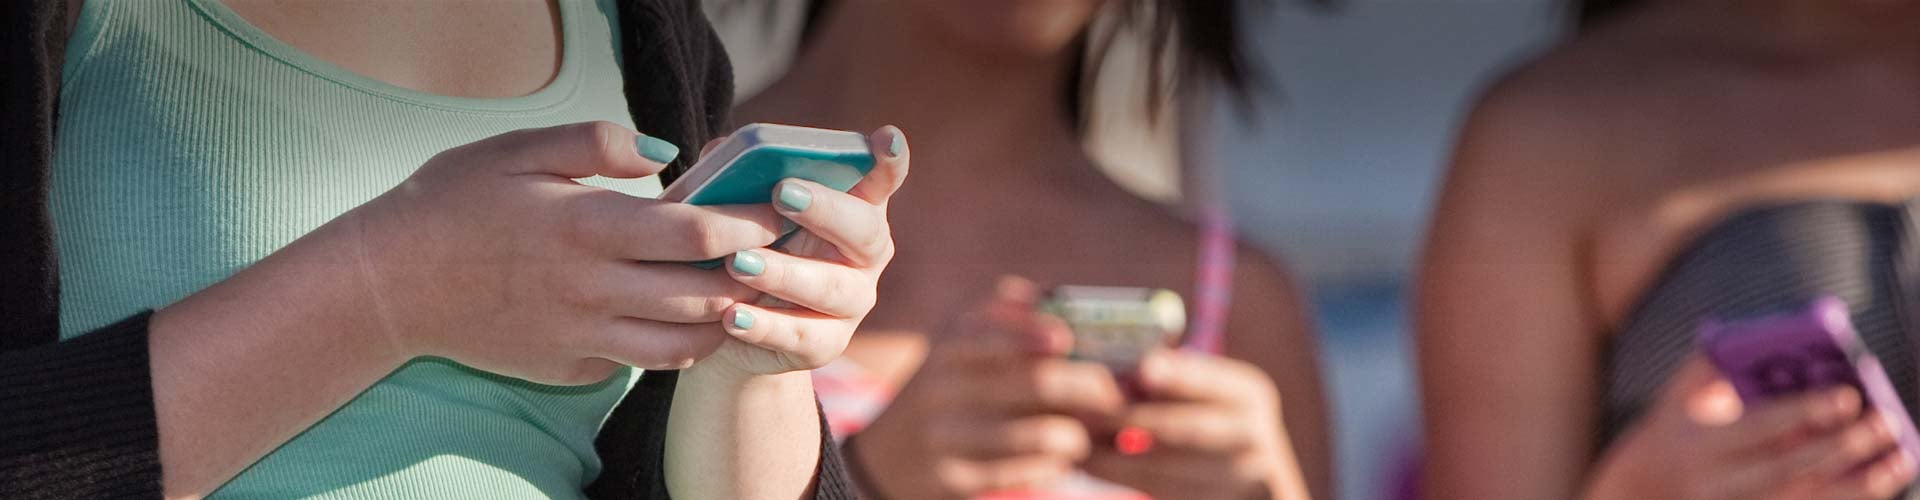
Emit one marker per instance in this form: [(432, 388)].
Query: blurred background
[(1335, 172)]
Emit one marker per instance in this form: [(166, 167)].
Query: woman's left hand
[(1212, 430), (822, 282)]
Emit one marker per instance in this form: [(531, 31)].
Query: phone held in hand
[(745, 167), (1117, 326), (1813, 348)]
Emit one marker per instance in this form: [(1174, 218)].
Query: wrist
[(298, 292)]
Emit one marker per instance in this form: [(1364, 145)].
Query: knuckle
[(577, 293), (605, 139), (713, 306)]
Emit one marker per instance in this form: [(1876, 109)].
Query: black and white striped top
[(1770, 259)]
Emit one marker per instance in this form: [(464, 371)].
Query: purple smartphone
[(1813, 348)]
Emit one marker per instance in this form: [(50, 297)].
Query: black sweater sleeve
[(76, 418)]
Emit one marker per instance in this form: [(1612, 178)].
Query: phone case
[(1813, 348), (745, 167)]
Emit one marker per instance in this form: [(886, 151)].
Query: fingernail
[(788, 226), (897, 145), (749, 263), (794, 198), (659, 151), (741, 320), (1133, 441)]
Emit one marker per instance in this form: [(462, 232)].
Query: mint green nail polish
[(898, 144), (742, 320), (794, 198), (749, 263), (657, 150)]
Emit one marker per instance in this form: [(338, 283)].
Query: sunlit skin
[(1002, 187), (1579, 175)]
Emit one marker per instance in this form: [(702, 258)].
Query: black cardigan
[(77, 418)]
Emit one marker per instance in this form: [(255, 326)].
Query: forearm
[(748, 437), (245, 365)]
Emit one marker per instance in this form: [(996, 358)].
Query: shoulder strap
[(1213, 280)]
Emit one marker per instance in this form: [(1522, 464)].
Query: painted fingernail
[(741, 320), (748, 262), (794, 198), (1133, 441), (655, 149), (897, 145)]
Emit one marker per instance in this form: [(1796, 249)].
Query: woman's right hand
[(995, 406), (1697, 443), (491, 255)]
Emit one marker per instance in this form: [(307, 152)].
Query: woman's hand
[(822, 282), (1697, 443), (1214, 430), (744, 421), (489, 254), (995, 406), (493, 256)]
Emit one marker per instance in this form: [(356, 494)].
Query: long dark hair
[(1208, 42), (1590, 12)]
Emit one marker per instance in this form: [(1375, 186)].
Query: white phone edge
[(757, 135)]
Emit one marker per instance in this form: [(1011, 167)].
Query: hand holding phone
[(1813, 348)]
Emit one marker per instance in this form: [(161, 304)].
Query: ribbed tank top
[(1772, 259), (192, 144)]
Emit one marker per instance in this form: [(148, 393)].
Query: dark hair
[(1590, 12), (1208, 42)]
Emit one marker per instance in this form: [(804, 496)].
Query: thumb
[(578, 150), (1703, 394)]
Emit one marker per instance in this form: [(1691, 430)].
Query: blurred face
[(1009, 27)]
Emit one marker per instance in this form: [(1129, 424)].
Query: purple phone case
[(1816, 347)]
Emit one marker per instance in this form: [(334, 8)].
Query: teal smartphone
[(745, 167)]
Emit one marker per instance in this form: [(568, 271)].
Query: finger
[(826, 287), (578, 150), (1877, 481), (1834, 455), (1083, 390), (1699, 391), (992, 338), (633, 228), (707, 148), (855, 227), (990, 438), (1019, 473), (654, 345), (1172, 375), (1770, 424), (665, 292), (890, 158), (1189, 427), (806, 339)]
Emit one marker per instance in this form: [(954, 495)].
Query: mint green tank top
[(192, 144)]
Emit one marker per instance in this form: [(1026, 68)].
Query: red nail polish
[(1133, 441)]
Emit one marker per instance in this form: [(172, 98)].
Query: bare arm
[(1270, 328), (234, 367), (1507, 347)]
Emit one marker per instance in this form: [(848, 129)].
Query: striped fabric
[(1765, 260)]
